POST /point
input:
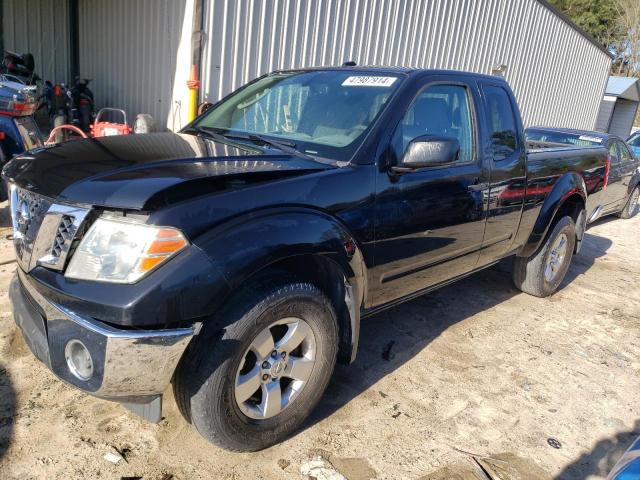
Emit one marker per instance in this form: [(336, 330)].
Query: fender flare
[(569, 184), (250, 243)]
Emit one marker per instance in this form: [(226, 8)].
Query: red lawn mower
[(99, 128)]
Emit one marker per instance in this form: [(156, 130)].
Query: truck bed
[(547, 163)]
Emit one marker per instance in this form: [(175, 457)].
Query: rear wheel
[(631, 208), (255, 384), (541, 274)]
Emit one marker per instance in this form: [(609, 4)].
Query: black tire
[(529, 272), (205, 379), (631, 207)]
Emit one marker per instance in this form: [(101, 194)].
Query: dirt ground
[(476, 368)]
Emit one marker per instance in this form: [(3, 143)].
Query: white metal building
[(619, 106), (138, 52)]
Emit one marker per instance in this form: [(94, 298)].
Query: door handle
[(476, 186)]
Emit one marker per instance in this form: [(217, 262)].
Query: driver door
[(430, 221)]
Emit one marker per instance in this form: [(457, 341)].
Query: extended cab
[(236, 259)]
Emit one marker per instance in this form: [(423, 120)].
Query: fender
[(569, 184), (250, 243)]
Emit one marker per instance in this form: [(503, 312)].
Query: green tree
[(599, 18)]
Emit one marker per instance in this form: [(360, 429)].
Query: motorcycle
[(82, 111), (18, 68), (70, 105), (18, 129), (59, 105)]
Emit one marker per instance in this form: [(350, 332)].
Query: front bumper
[(130, 366)]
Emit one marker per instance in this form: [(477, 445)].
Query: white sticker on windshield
[(368, 81), (587, 138)]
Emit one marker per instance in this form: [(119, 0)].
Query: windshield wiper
[(221, 135), (282, 145), (208, 132), (286, 147)]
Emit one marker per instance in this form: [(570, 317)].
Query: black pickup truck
[(236, 259)]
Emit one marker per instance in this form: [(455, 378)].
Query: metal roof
[(624, 87)]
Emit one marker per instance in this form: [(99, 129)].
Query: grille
[(27, 213), (64, 234), (43, 231)]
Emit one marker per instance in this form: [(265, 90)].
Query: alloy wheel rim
[(275, 368), (556, 257)]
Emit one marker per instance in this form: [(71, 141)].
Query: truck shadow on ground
[(5, 214), (390, 339), (593, 247), (602, 458), (7, 410)]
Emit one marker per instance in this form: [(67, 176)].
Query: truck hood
[(142, 172)]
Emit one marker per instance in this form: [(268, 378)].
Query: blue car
[(628, 467), (634, 143)]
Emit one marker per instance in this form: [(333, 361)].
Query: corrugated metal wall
[(129, 49), (557, 74), (41, 28), (137, 52)]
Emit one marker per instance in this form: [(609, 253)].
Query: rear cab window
[(501, 120)]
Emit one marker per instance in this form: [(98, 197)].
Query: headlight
[(123, 252)]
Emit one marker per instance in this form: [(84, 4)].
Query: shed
[(619, 106)]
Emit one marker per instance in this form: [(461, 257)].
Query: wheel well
[(571, 207), (329, 277)]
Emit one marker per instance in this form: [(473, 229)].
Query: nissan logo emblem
[(23, 216)]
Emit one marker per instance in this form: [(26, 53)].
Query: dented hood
[(139, 171)]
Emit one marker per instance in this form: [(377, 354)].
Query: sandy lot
[(476, 368)]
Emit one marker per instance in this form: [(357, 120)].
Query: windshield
[(634, 141), (324, 113), (546, 136)]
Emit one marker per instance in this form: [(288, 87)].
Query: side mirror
[(428, 151)]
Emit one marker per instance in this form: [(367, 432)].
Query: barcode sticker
[(368, 81), (588, 138)]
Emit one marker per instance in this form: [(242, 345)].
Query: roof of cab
[(394, 70)]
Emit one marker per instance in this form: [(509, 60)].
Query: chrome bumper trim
[(128, 363)]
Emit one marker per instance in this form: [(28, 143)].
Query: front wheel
[(255, 384), (631, 208), (541, 274)]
